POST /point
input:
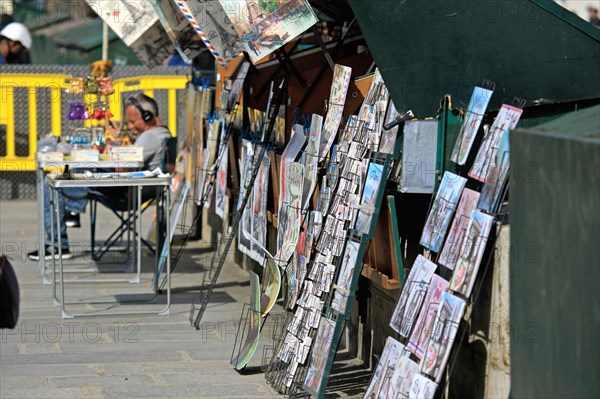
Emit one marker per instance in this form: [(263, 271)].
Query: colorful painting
[(369, 196), (456, 235), (471, 253), (251, 336), (320, 355), (214, 27), (475, 112), (289, 220), (422, 331), (422, 388), (311, 159), (264, 25), (419, 151), (412, 295), (491, 193), (507, 119), (441, 212), (448, 317), (335, 107), (381, 382), (343, 284)]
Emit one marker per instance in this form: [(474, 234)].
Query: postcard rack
[(202, 297)]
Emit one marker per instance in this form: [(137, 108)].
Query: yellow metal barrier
[(56, 83)]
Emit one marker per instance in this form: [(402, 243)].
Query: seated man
[(142, 117)]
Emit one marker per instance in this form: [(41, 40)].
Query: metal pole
[(104, 41)]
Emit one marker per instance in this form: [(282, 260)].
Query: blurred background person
[(15, 42)]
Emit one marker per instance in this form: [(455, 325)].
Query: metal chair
[(124, 208)]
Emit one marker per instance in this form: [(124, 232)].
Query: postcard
[(419, 151), (311, 160), (290, 153), (448, 317), (491, 193), (388, 137), (382, 377), (422, 388), (369, 197), (290, 214), (469, 258), (258, 209), (343, 284), (320, 355), (412, 296), (507, 119), (441, 212), (221, 183), (264, 26), (420, 335), (475, 112), (335, 107), (456, 235), (402, 378)]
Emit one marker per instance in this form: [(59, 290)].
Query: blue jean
[(71, 199)]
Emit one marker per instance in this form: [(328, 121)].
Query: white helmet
[(17, 32)]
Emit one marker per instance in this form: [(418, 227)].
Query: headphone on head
[(146, 115)]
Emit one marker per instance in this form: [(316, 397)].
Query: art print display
[(183, 36), (412, 296), (475, 111), (251, 335), (424, 325), (211, 23), (458, 230), (335, 107), (344, 280), (471, 253), (369, 196), (320, 355), (422, 388), (137, 24), (491, 193), (264, 26), (507, 119), (448, 317), (441, 212), (419, 150), (381, 382), (311, 159), (289, 220)]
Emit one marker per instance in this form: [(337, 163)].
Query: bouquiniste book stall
[(333, 184)]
